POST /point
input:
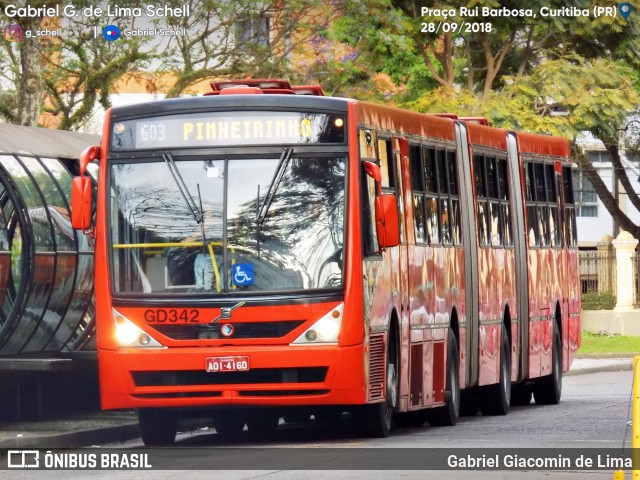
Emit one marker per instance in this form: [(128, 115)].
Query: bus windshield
[(198, 225)]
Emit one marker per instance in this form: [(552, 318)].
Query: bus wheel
[(157, 426), (375, 419), (495, 399), (229, 426), (448, 414), (548, 389)]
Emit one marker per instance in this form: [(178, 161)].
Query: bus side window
[(552, 199), (431, 194), (387, 164), (443, 186), (368, 143), (570, 208), (454, 217), (368, 195), (391, 181), (532, 218), (481, 198), (505, 213), (495, 223), (542, 198), (417, 187)]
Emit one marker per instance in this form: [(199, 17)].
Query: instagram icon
[(13, 33)]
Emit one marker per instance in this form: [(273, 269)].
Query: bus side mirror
[(81, 203), (373, 171), (88, 155), (387, 223)]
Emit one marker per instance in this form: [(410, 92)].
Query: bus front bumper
[(276, 375)]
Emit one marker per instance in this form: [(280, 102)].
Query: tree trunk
[(31, 86), (621, 174)]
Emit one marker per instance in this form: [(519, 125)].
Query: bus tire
[(495, 399), (548, 389), (157, 426), (375, 419), (447, 415)]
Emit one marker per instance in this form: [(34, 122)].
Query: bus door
[(469, 242), (420, 394), (521, 248), (400, 147)]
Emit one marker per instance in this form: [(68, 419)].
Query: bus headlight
[(325, 330), (128, 334)]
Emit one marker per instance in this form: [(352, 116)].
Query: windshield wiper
[(188, 199), (198, 213), (275, 182)]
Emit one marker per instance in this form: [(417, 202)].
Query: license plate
[(227, 364)]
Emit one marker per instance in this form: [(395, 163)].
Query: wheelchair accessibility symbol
[(243, 274)]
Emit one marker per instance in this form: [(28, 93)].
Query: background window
[(585, 195)]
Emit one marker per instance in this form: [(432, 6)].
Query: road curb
[(600, 356), (620, 367)]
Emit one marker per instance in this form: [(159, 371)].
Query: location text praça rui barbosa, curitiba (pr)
[(69, 10), (488, 12)]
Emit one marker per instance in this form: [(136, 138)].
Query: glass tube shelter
[(46, 267)]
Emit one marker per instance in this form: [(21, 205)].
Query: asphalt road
[(592, 414)]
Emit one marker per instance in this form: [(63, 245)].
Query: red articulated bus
[(265, 251)]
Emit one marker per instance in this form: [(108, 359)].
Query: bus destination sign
[(215, 129)]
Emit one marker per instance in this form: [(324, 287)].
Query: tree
[(425, 48), (518, 75), (242, 38), (23, 93), (65, 75)]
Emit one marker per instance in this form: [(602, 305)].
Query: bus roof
[(404, 121), (543, 145), (482, 135), (230, 102)]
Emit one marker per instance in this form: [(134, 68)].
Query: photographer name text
[(110, 11)]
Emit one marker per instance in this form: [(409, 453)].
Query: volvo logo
[(227, 330), (225, 312)]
